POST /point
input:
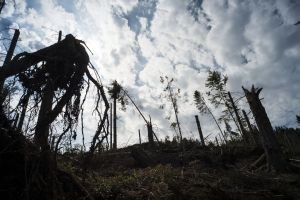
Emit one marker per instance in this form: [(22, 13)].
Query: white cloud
[(250, 41), (263, 33)]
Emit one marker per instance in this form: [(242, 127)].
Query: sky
[(137, 41)]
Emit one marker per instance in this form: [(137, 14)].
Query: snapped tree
[(274, 155), (204, 109)]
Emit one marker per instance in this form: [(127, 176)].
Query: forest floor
[(144, 172), (198, 173)]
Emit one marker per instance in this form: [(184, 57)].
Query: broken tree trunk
[(150, 133), (200, 131), (9, 55), (2, 3), (148, 123), (272, 149)]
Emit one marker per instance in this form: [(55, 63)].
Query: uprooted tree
[(55, 76), (62, 69)]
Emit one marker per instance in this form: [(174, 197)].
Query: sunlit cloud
[(135, 42)]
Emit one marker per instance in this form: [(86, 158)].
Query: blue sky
[(136, 42)]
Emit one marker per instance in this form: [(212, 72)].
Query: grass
[(211, 173)]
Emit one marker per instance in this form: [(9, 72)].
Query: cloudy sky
[(137, 41)]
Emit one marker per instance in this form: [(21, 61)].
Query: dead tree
[(9, 55), (116, 93), (115, 123), (238, 118), (203, 108), (272, 149), (148, 123), (200, 131), (111, 127), (2, 3), (172, 96), (140, 140), (24, 105), (60, 69), (247, 121), (63, 67), (150, 133)]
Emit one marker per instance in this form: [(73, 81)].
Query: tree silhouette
[(218, 95), (2, 3), (204, 109), (172, 96), (117, 93)]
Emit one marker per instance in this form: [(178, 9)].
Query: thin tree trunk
[(247, 121), (16, 121), (175, 111), (150, 133), (243, 132), (12, 47), (9, 56), (179, 128), (108, 133), (200, 130), (272, 149), (2, 4), (135, 106), (223, 97), (111, 127), (217, 142), (148, 124), (216, 123), (140, 140), (24, 109), (253, 135), (232, 117), (115, 123)]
